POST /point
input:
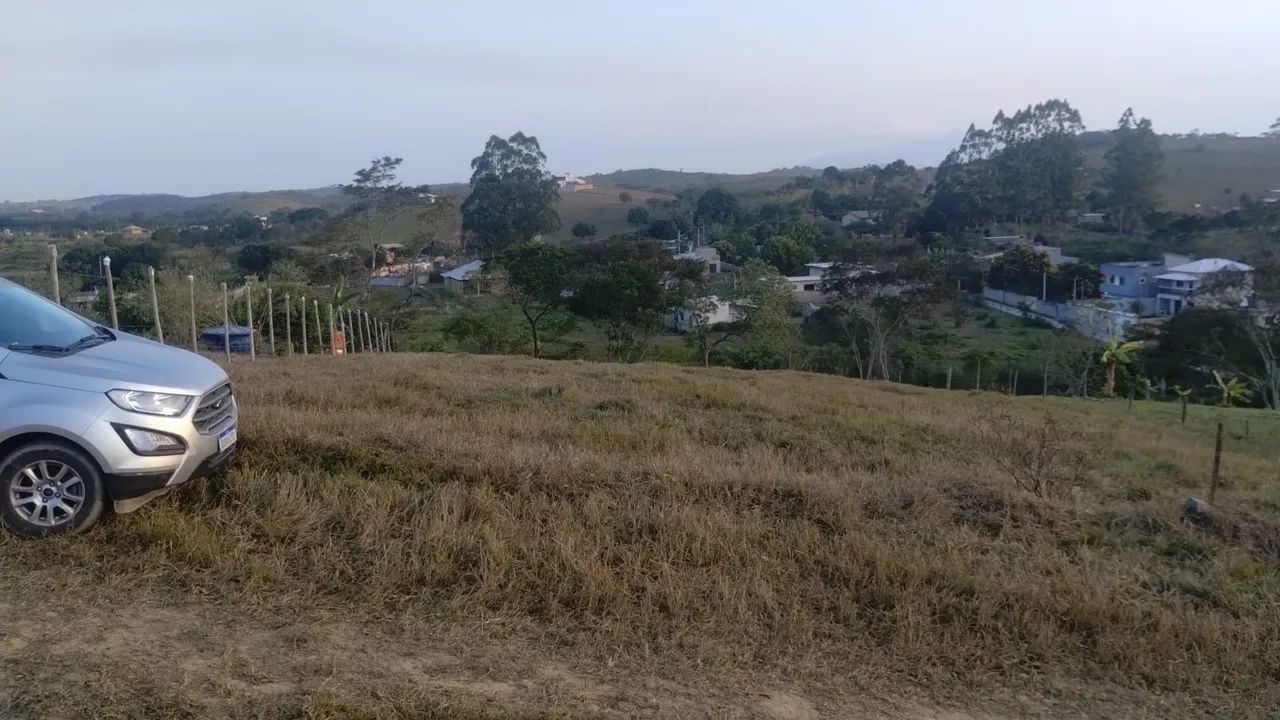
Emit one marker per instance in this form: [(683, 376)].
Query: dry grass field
[(484, 537)]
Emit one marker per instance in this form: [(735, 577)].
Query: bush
[(1036, 457), (489, 332)]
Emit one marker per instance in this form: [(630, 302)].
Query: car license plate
[(226, 439)]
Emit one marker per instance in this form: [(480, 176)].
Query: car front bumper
[(132, 479)]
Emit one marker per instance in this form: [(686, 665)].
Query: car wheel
[(49, 489)]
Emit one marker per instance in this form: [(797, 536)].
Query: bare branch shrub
[(1036, 456)]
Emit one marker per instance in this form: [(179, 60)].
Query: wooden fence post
[(1044, 385), (226, 323), (155, 303), (333, 346), (111, 293), (53, 273), (271, 322), (1217, 465), (248, 296), (191, 292), (949, 369), (288, 327), (315, 305), (304, 326)]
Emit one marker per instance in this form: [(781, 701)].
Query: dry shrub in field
[(1036, 456)]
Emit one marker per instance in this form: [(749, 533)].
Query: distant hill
[(1214, 171), (152, 205), (232, 203), (675, 181), (1206, 170)]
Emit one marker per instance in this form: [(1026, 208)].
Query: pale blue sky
[(184, 97)]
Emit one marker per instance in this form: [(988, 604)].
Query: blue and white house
[(1172, 284)]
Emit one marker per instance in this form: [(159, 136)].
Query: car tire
[(49, 488)]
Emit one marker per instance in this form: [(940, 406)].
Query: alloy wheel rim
[(47, 493)]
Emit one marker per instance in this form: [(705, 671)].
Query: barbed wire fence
[(191, 311)]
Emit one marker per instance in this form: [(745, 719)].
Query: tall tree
[(627, 298), (1133, 171), (380, 198), (537, 275), (875, 306), (786, 253), (766, 301), (1028, 167), (1274, 130), (895, 193), (717, 207), (512, 196)]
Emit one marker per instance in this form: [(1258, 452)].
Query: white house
[(1183, 286), (709, 256), (569, 182), (811, 281), (719, 311), (857, 217), (464, 276)]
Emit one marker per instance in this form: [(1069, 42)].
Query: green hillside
[(601, 207), (676, 181), (1207, 170)]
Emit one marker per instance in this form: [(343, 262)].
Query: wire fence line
[(253, 319)]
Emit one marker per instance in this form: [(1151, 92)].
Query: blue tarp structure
[(213, 338)]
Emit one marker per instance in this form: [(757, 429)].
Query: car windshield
[(30, 322)]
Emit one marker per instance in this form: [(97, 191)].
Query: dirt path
[(147, 660), (129, 656)]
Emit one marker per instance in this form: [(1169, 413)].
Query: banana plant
[(1232, 391), (1116, 353)]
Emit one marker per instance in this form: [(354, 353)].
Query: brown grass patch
[(805, 529)]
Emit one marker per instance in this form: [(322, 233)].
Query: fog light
[(150, 442)]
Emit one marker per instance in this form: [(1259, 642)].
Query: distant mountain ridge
[(157, 204), (1209, 171)]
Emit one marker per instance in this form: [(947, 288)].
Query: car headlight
[(150, 403)]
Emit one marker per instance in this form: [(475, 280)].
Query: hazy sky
[(184, 97)]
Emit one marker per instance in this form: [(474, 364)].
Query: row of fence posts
[(360, 332)]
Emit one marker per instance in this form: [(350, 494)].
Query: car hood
[(128, 362)]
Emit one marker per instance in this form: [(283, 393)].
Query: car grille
[(215, 408)]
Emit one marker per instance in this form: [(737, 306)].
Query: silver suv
[(90, 415)]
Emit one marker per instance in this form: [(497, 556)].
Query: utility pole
[(1044, 287), (111, 292), (155, 303), (53, 274)]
